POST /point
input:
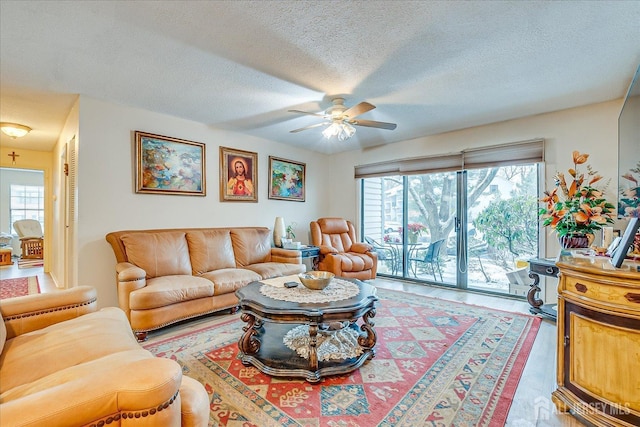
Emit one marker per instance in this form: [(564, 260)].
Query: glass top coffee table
[(274, 326)]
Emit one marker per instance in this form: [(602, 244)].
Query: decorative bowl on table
[(316, 280)]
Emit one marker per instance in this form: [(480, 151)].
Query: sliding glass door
[(470, 229)]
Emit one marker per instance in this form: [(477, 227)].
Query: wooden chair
[(31, 238)]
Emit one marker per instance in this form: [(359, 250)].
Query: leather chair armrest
[(325, 249), (144, 388), (195, 403), (33, 312), (361, 248), (130, 278), (289, 256)]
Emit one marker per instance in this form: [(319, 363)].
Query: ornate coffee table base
[(262, 345)]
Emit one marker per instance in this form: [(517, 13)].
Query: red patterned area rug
[(437, 363), (18, 287)]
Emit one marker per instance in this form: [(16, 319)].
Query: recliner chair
[(340, 253)]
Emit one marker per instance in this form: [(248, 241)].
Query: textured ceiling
[(428, 66)]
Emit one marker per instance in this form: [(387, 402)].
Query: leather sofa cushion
[(251, 245), (158, 253), (3, 333), (167, 290), (229, 280), (63, 345), (210, 250), (352, 261), (267, 270)]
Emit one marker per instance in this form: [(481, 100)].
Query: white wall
[(592, 129), (108, 202)]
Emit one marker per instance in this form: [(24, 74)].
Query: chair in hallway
[(385, 253), (427, 256), (31, 238)]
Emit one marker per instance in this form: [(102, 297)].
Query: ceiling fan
[(340, 119)]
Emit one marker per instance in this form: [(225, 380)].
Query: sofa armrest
[(290, 256), (144, 388), (130, 278), (361, 248), (32, 312)]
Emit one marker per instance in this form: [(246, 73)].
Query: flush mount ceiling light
[(14, 130)]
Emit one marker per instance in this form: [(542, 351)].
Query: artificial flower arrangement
[(576, 207)]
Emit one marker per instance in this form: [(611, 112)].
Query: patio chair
[(427, 256), (385, 253)]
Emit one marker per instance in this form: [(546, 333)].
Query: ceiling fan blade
[(307, 113), (373, 124), (308, 127), (358, 109)]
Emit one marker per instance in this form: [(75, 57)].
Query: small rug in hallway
[(437, 363), (28, 263), (18, 287)]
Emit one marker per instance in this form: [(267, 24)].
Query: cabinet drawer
[(606, 293)]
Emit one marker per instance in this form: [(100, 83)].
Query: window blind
[(530, 151)]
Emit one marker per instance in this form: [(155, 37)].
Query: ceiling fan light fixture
[(341, 130), (14, 130)]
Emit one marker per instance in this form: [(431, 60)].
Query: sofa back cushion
[(210, 250), (251, 245), (158, 253)]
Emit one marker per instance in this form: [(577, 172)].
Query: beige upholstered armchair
[(31, 238), (64, 362), (340, 253)]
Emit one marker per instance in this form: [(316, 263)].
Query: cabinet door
[(602, 361)]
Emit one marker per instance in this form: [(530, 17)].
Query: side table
[(5, 256), (545, 267), (311, 254)]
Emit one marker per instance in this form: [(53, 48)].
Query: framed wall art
[(286, 180), (238, 175), (166, 165)]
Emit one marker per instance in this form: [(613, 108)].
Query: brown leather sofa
[(340, 252), (62, 363), (168, 275)]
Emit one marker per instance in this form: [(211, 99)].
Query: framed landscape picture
[(286, 179), (238, 175), (166, 165)]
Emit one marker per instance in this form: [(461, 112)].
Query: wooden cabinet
[(598, 364)]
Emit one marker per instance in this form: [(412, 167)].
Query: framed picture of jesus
[(238, 175)]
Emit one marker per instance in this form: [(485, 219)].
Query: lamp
[(340, 129), (14, 130)]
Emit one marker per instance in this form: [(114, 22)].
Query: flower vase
[(413, 238), (278, 231), (574, 241)]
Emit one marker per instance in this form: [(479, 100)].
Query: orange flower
[(579, 159)]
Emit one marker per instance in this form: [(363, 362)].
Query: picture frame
[(287, 179), (238, 175), (167, 165), (620, 253)]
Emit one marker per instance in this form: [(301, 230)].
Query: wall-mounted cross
[(13, 156)]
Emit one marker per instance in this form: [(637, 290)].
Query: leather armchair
[(63, 362), (340, 253)]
